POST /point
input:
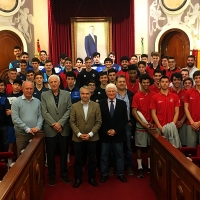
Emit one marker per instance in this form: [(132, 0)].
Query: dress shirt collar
[(84, 103), (24, 98)]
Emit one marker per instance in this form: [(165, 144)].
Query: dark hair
[(71, 74), (145, 77), (144, 56), (24, 53), (176, 75), (134, 56), (167, 57), (120, 76), (39, 73), (23, 61), (80, 60), (87, 58), (171, 57), (185, 70), (112, 70), (30, 71), (48, 61), (96, 54), (141, 63), (157, 71), (63, 56), (102, 73), (188, 79), (91, 81), (108, 59), (111, 53), (197, 73), (132, 67), (43, 51), (124, 58), (35, 60), (163, 77), (12, 70), (68, 59), (3, 81), (18, 81), (17, 47), (191, 56)]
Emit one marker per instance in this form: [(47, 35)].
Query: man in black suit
[(91, 42), (112, 131)]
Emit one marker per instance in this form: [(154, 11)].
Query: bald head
[(28, 88)]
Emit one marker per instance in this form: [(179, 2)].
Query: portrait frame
[(79, 30)]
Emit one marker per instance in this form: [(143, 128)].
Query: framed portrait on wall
[(91, 34)]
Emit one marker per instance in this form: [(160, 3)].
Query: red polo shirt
[(170, 72), (192, 97), (125, 73), (154, 88), (164, 106), (181, 95), (133, 87), (150, 69), (141, 101)]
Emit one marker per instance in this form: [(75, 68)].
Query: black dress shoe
[(103, 179), (77, 183), (122, 178), (93, 182)]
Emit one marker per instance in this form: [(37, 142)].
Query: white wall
[(40, 13), (141, 25)]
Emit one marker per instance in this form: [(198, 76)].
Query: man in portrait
[(91, 42)]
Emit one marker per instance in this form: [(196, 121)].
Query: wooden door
[(8, 40), (175, 43)]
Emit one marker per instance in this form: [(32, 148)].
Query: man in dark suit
[(56, 106), (91, 42), (85, 121), (112, 131)]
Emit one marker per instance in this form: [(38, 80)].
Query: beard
[(190, 65)]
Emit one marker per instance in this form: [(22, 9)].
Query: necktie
[(111, 108)]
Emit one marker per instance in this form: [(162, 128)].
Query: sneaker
[(111, 171), (130, 171), (140, 173), (148, 170), (66, 179), (52, 181)]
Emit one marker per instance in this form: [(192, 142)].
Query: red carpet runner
[(134, 189)]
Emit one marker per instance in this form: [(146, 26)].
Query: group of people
[(100, 108)]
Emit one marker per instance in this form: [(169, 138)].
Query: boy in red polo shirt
[(164, 105), (124, 67), (133, 83), (157, 74), (191, 106), (176, 80), (155, 64), (141, 102), (172, 67)]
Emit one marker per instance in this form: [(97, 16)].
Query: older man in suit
[(85, 121), (91, 42), (56, 105), (112, 132)]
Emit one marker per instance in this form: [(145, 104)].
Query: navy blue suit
[(90, 45)]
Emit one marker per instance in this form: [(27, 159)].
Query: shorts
[(192, 137), (142, 137), (11, 135), (183, 134)]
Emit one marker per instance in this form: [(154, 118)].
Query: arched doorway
[(175, 42), (8, 40)]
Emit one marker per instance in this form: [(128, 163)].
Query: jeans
[(4, 138), (128, 147), (105, 151)]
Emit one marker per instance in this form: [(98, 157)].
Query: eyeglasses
[(93, 85)]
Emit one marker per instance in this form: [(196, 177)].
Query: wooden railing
[(173, 176), (25, 180)]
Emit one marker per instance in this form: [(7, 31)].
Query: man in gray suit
[(85, 121), (56, 106)]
